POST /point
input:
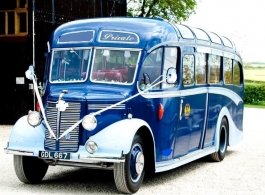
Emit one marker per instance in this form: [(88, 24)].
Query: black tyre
[(129, 175), (223, 137), (29, 170)]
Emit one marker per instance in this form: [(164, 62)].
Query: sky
[(242, 21)]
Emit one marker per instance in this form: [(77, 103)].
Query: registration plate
[(54, 155)]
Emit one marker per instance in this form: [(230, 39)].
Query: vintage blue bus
[(132, 95)]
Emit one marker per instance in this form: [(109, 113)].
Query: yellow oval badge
[(187, 111)]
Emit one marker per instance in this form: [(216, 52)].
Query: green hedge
[(254, 94)]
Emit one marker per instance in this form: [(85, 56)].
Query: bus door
[(192, 104), (159, 107)]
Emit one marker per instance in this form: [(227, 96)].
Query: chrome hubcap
[(139, 163)]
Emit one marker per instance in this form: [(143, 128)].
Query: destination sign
[(118, 37)]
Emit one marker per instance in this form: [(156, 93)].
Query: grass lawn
[(255, 74), (253, 106)]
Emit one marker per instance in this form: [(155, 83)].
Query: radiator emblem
[(62, 105)]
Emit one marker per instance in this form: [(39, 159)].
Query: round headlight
[(89, 122), (91, 147), (34, 118)]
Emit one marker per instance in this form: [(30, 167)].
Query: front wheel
[(223, 137), (29, 170), (129, 175)]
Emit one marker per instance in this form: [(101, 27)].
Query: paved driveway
[(241, 172)]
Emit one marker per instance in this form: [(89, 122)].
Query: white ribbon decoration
[(111, 106), (41, 105)]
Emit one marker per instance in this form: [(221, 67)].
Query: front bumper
[(81, 156)]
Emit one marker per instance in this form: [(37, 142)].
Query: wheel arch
[(117, 138), (225, 117), (235, 135), (149, 146), (224, 113)]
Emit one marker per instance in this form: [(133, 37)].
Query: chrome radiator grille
[(102, 106), (59, 123)]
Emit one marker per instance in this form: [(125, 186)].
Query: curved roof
[(198, 34), (150, 31)]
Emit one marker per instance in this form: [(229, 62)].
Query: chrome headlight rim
[(34, 118), (91, 147), (89, 122)]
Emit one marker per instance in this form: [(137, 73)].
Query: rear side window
[(228, 72), (214, 63), (201, 68), (188, 70), (236, 73)]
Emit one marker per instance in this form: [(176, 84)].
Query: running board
[(177, 162)]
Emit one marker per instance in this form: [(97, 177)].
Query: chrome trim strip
[(188, 92), (80, 164), (101, 106), (205, 120), (101, 159), (171, 164), (16, 152)]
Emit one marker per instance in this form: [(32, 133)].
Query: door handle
[(180, 110)]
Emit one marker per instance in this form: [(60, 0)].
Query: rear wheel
[(129, 175), (223, 138), (29, 170)]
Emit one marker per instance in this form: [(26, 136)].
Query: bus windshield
[(70, 65), (114, 66)]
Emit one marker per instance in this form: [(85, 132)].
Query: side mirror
[(171, 75), (30, 72)]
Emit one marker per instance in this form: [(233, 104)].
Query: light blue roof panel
[(215, 38), (227, 42), (200, 34), (185, 32)]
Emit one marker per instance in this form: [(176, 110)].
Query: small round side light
[(160, 111), (91, 147)]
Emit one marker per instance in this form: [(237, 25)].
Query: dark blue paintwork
[(173, 137)]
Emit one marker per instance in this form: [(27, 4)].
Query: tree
[(172, 10)]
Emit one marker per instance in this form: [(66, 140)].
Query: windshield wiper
[(73, 51)]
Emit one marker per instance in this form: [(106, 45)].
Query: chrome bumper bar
[(81, 157)]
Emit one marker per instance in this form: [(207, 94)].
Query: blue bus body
[(140, 119)]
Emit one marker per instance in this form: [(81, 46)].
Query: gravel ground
[(241, 172)]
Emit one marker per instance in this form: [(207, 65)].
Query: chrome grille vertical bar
[(60, 122)]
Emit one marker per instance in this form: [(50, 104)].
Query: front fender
[(26, 138), (117, 138)]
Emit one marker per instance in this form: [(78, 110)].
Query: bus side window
[(214, 63), (228, 71), (170, 60), (188, 70), (236, 73), (200, 68)]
